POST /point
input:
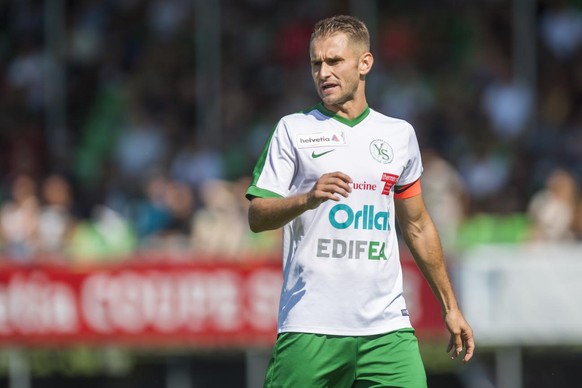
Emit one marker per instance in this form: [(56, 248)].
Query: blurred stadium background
[(129, 129)]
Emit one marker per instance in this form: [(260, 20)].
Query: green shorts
[(317, 360)]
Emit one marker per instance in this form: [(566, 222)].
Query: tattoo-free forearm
[(424, 243), (273, 213)]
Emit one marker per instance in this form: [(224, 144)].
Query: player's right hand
[(329, 186)]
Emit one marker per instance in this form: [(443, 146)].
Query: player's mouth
[(329, 88)]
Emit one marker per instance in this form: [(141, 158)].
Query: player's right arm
[(272, 213)]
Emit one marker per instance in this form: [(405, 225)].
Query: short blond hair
[(353, 27)]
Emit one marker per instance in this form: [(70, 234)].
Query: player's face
[(337, 68)]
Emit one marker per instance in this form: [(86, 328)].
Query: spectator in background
[(164, 219), (87, 41), (196, 164), (22, 143), (19, 220), (507, 103), (445, 196), (485, 172), (151, 214), (27, 73), (406, 95), (141, 147), (561, 29), (181, 202), (552, 209), (219, 227), (167, 17), (56, 219), (105, 236)]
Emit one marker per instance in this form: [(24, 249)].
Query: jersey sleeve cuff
[(254, 191)]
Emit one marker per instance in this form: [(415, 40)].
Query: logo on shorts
[(381, 151), (405, 313)]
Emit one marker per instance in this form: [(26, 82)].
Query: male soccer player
[(336, 177)]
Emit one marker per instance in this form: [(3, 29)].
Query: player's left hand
[(461, 335)]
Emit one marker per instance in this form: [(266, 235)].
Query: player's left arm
[(423, 240)]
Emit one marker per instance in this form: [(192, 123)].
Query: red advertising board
[(161, 304)]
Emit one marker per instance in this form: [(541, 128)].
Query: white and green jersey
[(341, 266)]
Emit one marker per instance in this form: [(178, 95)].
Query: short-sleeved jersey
[(341, 266)]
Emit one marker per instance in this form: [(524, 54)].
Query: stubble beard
[(337, 100)]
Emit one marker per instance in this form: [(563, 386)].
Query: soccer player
[(335, 177)]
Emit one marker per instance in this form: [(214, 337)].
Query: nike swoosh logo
[(315, 156)]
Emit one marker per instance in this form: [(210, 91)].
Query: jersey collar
[(343, 120)]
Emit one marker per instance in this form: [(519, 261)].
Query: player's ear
[(366, 62)]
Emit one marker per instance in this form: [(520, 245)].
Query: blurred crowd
[(130, 172)]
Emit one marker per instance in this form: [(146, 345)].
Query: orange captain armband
[(407, 191)]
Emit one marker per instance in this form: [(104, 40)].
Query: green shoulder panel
[(261, 160)]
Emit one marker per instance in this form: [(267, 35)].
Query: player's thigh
[(390, 360), (311, 360)]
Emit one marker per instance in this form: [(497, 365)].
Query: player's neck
[(350, 109)]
